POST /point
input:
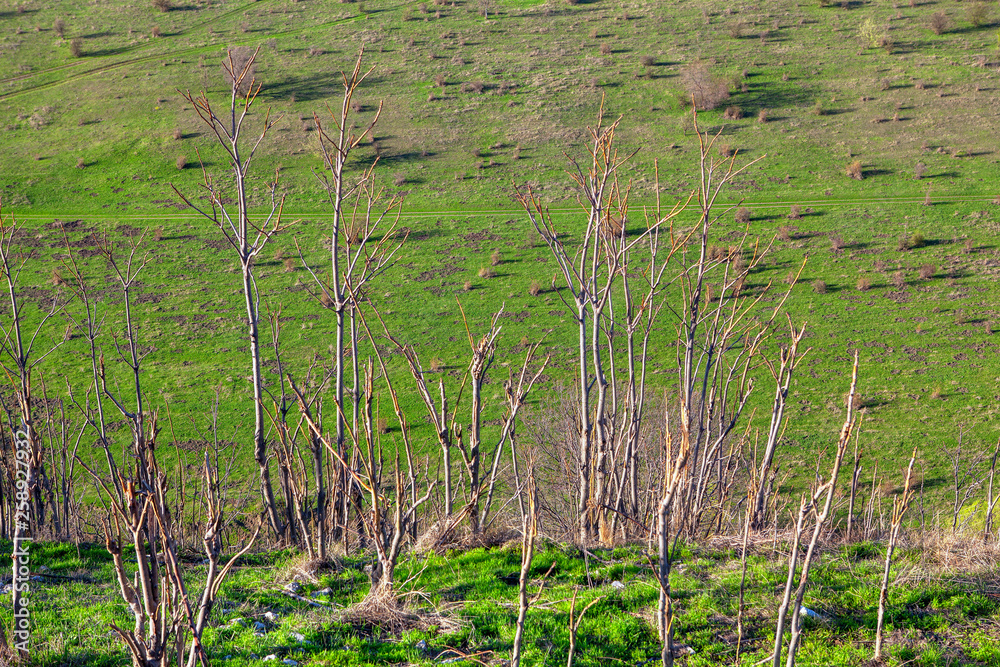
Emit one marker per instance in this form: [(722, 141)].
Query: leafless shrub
[(795, 212), (762, 116), (605, 49), (476, 87), (439, 80), (927, 271), (181, 162), (162, 5), (978, 14), (855, 171), (399, 179), (240, 65), (725, 150), (289, 264), (436, 364), (969, 246), (742, 215), (486, 272), (733, 113), (80, 164), (785, 233), (864, 284), (177, 134), (737, 28), (56, 278), (535, 288), (467, 286), (158, 234), (939, 22), (59, 27), (790, 278), (76, 47), (880, 265), (836, 243), (898, 280), (706, 91), (647, 61), (383, 425), (496, 259), (155, 32), (315, 51), (819, 286)]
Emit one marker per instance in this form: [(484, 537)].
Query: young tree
[(246, 233)]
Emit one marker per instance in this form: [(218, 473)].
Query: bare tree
[(899, 507), (245, 234)]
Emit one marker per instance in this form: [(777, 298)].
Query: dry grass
[(486, 272), (855, 171)]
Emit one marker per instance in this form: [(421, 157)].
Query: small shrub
[(239, 65), (927, 271), (819, 286), (864, 284), (785, 233), (939, 23), (476, 87), (916, 240), (706, 90), (178, 135), (855, 171), (880, 265), (836, 243), (647, 61), (762, 116), (737, 28), (790, 278), (535, 288), (181, 162), (742, 215), (732, 113), (59, 27), (496, 259), (399, 179), (80, 164), (969, 246), (486, 272), (439, 80), (725, 150), (817, 108), (315, 51), (56, 278), (978, 14), (158, 234), (76, 47), (605, 49), (795, 212), (383, 425), (898, 280), (155, 32), (289, 264), (162, 5), (436, 364), (467, 286)]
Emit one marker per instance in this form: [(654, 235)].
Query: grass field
[(464, 604), (474, 104)]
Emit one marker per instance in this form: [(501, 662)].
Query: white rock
[(297, 636), (271, 617), (617, 585), (270, 658)]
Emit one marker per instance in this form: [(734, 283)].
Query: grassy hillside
[(472, 103)]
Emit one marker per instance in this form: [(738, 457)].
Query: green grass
[(928, 351), (468, 600)]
